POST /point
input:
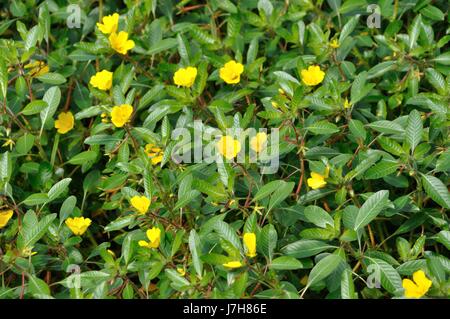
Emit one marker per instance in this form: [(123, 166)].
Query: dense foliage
[(94, 205)]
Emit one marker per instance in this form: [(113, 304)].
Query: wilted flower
[(38, 68), (181, 271), (155, 153), (154, 237)]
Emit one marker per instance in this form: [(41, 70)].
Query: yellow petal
[(78, 225), (120, 115), (233, 264), (250, 244), (65, 122), (231, 72), (422, 281), (5, 216), (141, 203), (411, 289)]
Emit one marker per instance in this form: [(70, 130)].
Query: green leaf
[(67, 208), (59, 188), (34, 107), (347, 285), (443, 59), (268, 240), (306, 248), (436, 190), (32, 231), (380, 69), (83, 157), (286, 263), (381, 169), (323, 127), (414, 31), (280, 194), (52, 98), (348, 28), (52, 78), (194, 247), (25, 143), (3, 79), (371, 208), (414, 129), (387, 127), (226, 232), (323, 268), (390, 279), (163, 45), (443, 237), (318, 216), (37, 287), (36, 199), (32, 38)]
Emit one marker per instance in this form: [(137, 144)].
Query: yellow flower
[(9, 142), (28, 252), (155, 153), (120, 42), (418, 287), (141, 203), (250, 244), (110, 24), (258, 142), (316, 181), (5, 216), (121, 114), (334, 44), (231, 72), (102, 80), (78, 225), (181, 271), (313, 75), (154, 237), (228, 147), (185, 76), (65, 122), (38, 68), (233, 264), (347, 104)]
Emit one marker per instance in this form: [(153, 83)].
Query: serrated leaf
[(414, 129), (436, 190), (371, 208)]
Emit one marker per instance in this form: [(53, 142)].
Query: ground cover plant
[(224, 149)]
